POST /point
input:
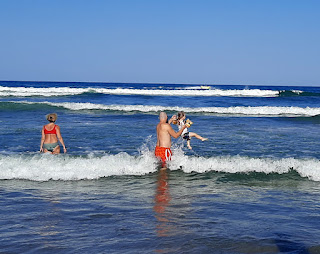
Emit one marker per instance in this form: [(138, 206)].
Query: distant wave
[(293, 93), (64, 167), (203, 87), (47, 92), (67, 91), (234, 111)]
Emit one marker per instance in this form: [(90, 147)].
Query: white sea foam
[(309, 168), (297, 91), (198, 87), (62, 167), (193, 88), (64, 91), (236, 111), (41, 91), (49, 167)]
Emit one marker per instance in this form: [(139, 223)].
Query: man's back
[(163, 135)]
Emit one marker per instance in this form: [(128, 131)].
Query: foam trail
[(64, 91), (62, 167), (236, 111)]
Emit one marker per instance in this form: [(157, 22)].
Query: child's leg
[(188, 144), (193, 134)]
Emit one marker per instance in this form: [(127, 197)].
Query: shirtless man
[(164, 134)]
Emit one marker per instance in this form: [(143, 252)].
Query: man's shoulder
[(164, 125)]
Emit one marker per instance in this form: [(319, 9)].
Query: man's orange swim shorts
[(163, 153)]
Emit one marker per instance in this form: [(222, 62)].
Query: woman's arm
[(60, 138), (42, 140)]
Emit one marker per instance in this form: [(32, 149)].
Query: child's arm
[(188, 123)]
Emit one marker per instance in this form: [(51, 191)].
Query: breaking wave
[(67, 91), (69, 168), (235, 111)]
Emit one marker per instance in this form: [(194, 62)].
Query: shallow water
[(166, 211), (253, 187)]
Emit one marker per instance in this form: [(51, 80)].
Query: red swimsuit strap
[(53, 131)]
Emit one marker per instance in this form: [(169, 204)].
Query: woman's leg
[(56, 150), (46, 151)]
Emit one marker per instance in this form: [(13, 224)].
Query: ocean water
[(253, 187)]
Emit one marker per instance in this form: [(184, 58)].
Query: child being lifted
[(186, 134)]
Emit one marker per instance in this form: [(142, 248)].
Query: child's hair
[(181, 114)]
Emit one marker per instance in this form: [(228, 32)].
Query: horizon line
[(156, 83)]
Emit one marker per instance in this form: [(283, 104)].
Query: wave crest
[(62, 167), (67, 91), (235, 111)]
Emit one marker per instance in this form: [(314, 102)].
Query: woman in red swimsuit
[(50, 136)]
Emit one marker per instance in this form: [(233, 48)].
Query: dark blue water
[(253, 187)]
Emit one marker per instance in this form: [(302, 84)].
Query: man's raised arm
[(175, 134)]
